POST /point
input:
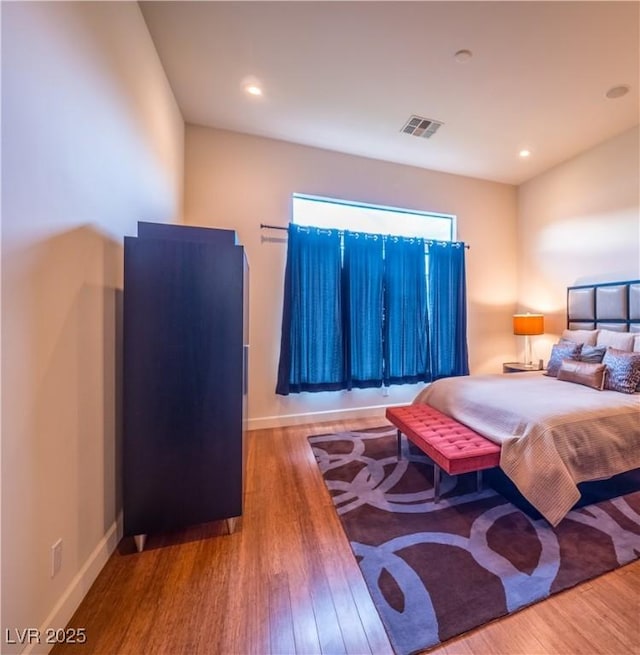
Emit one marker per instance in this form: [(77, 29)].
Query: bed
[(556, 434)]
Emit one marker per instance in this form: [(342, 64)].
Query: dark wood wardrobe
[(185, 346)]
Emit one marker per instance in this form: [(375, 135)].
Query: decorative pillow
[(560, 351), (592, 354), (618, 340), (591, 375), (586, 337), (623, 370)]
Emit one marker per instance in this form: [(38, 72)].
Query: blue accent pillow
[(623, 370), (592, 354), (560, 351)]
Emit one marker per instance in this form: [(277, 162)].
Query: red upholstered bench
[(450, 445)]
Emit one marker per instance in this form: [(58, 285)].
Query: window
[(377, 219), (372, 296)]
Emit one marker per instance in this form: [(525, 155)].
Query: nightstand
[(519, 367)]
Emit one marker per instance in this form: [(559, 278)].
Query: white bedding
[(554, 434)]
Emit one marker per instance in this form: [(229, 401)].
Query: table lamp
[(528, 325)]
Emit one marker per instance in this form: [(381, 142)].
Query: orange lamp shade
[(528, 324)]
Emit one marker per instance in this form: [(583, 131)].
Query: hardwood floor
[(286, 582)]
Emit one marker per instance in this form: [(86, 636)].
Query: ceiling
[(346, 76)]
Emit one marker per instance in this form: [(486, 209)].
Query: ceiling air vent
[(419, 126)]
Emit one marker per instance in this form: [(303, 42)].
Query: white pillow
[(619, 340), (586, 337), (636, 344)]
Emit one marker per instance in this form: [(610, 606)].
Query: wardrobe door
[(182, 383)]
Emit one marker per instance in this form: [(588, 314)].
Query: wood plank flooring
[(286, 582)]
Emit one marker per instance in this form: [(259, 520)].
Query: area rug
[(437, 570)]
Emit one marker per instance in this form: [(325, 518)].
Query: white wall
[(92, 141), (239, 181), (579, 223)]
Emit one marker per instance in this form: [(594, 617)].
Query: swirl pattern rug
[(437, 570)]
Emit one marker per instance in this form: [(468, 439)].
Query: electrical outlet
[(56, 558)]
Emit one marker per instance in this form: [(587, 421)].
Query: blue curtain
[(448, 352), (405, 324), (376, 318), (311, 349), (363, 309)]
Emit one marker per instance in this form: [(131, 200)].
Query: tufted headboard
[(610, 305)]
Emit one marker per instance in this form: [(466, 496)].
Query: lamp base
[(528, 357)]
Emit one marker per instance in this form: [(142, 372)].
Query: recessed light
[(463, 56), (524, 153), (252, 85), (617, 91)]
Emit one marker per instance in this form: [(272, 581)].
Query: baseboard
[(374, 411), (79, 586)]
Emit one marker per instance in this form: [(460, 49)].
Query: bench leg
[(478, 481), (399, 445), (437, 473)]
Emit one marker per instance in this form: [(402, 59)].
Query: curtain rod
[(264, 226)]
